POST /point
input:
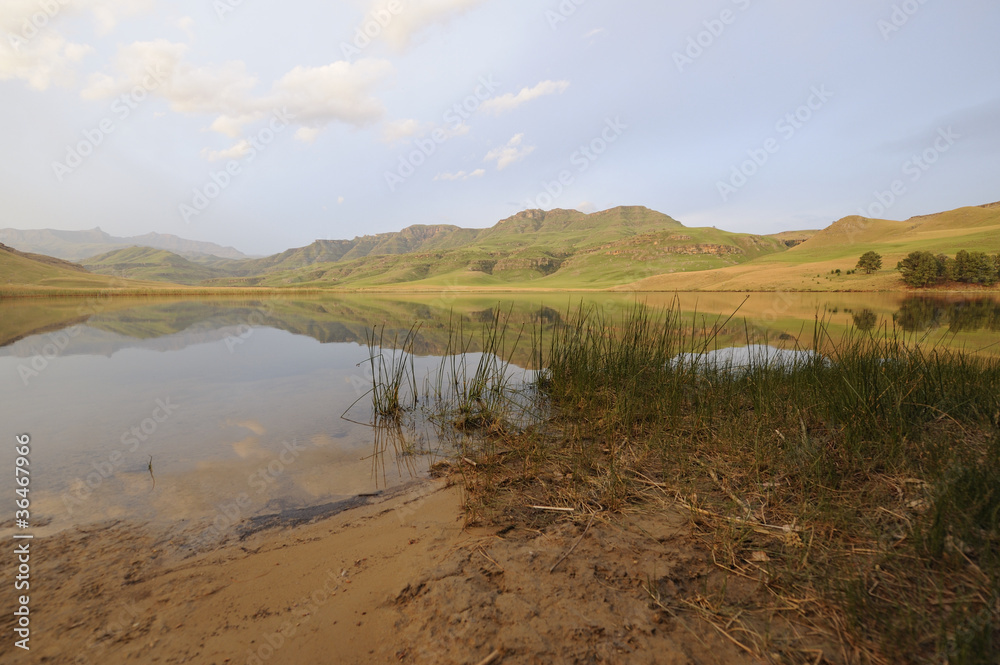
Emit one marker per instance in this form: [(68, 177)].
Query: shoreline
[(287, 591), (27, 294), (398, 579)]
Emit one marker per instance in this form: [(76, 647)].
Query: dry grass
[(861, 491)]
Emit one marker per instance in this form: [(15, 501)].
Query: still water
[(189, 411)]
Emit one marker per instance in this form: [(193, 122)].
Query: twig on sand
[(489, 558), (570, 551), (554, 508), (710, 617), (491, 658), (749, 516), (754, 523)]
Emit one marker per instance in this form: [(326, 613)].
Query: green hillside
[(971, 228), (417, 238), (17, 268), (554, 249), (25, 274), (153, 264), (807, 266), (534, 248), (625, 247)]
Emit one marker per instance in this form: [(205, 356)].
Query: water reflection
[(746, 358), (239, 401), (922, 314), (246, 428), (865, 319)]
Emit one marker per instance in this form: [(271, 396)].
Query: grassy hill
[(793, 238), (147, 263), (537, 249), (631, 248), (807, 266), (25, 274), (558, 249), (46, 272), (418, 238)]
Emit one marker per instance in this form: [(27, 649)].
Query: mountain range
[(628, 247), (77, 245), (546, 249)]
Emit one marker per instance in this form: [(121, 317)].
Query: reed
[(392, 372), (476, 386), (873, 457)]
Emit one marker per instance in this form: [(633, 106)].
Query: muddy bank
[(397, 579)]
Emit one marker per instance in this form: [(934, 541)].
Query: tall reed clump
[(475, 383), (880, 456), (392, 372)]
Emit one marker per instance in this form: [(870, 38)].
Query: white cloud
[(340, 91), (314, 96), (186, 24), (458, 130), (340, 200), (511, 101), (108, 12), (33, 48), (46, 60), (308, 134), (417, 15), (237, 151), (395, 131), (510, 153), (233, 126), (461, 175)]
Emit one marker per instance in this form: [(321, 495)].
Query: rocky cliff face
[(545, 264), (688, 250)]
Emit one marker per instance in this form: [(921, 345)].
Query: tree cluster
[(926, 269)]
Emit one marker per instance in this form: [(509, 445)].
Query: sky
[(266, 125)]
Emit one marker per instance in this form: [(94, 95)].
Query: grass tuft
[(866, 471), (391, 372)]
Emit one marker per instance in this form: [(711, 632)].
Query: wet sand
[(397, 579)]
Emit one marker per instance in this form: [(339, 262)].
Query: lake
[(193, 412)]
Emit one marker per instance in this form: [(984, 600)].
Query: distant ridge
[(627, 248), (77, 245), (554, 248)]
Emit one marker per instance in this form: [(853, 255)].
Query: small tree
[(870, 262)]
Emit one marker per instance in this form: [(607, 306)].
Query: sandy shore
[(398, 579)]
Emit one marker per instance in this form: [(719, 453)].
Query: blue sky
[(268, 125)]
